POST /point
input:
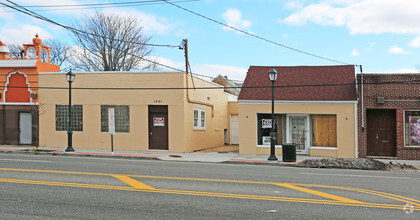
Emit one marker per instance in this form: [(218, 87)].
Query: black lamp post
[(272, 74), (70, 78)]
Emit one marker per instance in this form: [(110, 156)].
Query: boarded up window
[(324, 130)]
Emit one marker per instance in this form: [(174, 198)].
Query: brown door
[(158, 127), (381, 132)]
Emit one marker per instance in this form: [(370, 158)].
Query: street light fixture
[(70, 76), (272, 74)]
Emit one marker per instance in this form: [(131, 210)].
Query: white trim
[(29, 52), (4, 49), (268, 146), (18, 63), (7, 83), (356, 129), (199, 127), (294, 102), (18, 103), (323, 148), (411, 110), (307, 131)]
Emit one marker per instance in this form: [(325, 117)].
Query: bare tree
[(113, 43), (60, 53), (16, 50)]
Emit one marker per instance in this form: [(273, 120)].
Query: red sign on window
[(266, 123), (158, 121)]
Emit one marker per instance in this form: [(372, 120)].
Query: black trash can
[(289, 152)]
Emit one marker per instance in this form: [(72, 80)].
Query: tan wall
[(345, 126), (182, 136), (216, 118), (138, 100)]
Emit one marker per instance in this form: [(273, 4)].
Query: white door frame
[(307, 132), (25, 128)]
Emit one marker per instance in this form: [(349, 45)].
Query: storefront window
[(324, 130), (412, 128), (264, 128)]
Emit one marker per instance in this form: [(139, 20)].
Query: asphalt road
[(61, 187)]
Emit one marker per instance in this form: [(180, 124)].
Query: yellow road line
[(377, 193), (209, 194), (132, 182), (318, 193), (141, 176), (372, 192)]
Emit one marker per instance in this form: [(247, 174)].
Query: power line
[(254, 35), (101, 4), (212, 88), (72, 29), (98, 5)]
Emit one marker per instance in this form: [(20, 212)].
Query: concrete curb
[(55, 153), (143, 157)]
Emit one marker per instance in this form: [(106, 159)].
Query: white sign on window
[(111, 121), (266, 140), (266, 123), (158, 121)]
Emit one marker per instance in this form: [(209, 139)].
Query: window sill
[(323, 148), (414, 147), (268, 146)]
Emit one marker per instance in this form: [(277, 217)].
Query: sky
[(381, 35)]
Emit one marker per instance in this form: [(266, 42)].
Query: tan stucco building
[(153, 111), (315, 108)]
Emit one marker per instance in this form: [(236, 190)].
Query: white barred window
[(199, 119)]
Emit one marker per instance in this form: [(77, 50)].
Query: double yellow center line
[(134, 185)]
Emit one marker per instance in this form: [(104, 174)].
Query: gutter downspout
[(356, 136), (185, 47), (363, 106)]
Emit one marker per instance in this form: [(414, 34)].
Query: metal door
[(298, 133), (25, 128), (381, 132), (158, 127)]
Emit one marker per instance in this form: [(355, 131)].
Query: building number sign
[(158, 121)]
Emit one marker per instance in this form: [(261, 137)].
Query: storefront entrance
[(158, 127), (297, 133), (381, 132)]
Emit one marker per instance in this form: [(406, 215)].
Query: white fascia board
[(18, 63), (294, 102)]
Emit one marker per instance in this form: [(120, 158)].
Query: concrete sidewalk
[(223, 154)]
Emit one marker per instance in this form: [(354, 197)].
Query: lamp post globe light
[(70, 76), (272, 74)]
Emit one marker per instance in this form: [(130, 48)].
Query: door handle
[(386, 141), (150, 133), (377, 138)]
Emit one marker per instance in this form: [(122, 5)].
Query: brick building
[(389, 116)]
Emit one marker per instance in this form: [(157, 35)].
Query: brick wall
[(401, 92)]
